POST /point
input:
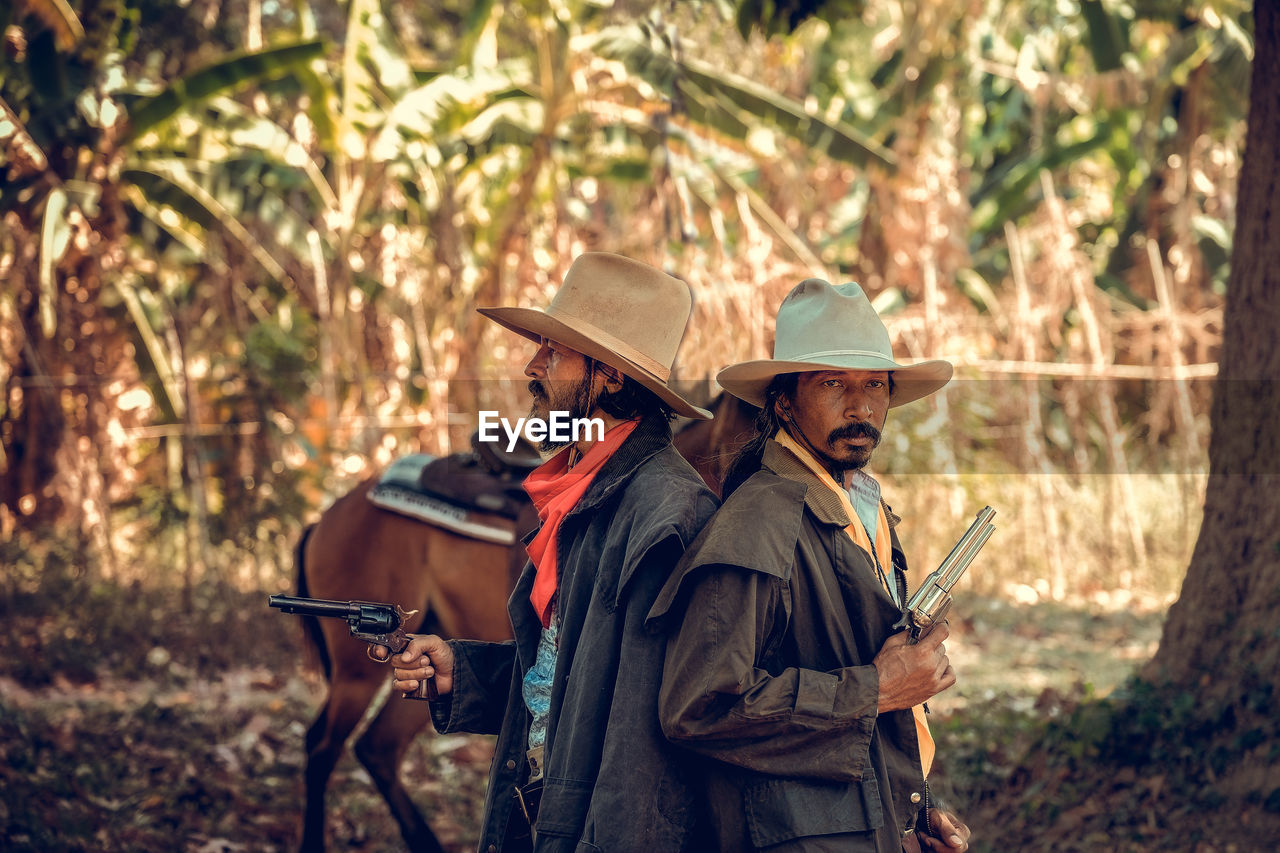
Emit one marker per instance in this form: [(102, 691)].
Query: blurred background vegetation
[(241, 244), (243, 241)]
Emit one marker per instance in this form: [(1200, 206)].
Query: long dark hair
[(632, 400), (748, 459)]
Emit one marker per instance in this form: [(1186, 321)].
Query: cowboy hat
[(618, 311), (826, 327)]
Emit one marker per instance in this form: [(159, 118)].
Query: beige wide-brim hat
[(619, 311), (826, 327)]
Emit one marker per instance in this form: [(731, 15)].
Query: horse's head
[(710, 446)]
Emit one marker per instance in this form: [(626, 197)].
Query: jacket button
[(511, 765), (493, 848), (915, 798)]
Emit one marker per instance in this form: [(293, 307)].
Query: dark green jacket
[(613, 782), (768, 674)]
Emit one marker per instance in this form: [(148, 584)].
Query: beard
[(576, 400), (858, 456)]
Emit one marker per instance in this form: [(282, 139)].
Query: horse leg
[(381, 749), (326, 738)]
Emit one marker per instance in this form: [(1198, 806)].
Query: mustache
[(858, 429), (537, 390)]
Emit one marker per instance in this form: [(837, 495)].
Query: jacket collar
[(822, 502), (650, 436)]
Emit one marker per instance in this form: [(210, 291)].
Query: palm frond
[(732, 104), (176, 173), (238, 68)]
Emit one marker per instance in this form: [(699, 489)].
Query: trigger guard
[(368, 650)]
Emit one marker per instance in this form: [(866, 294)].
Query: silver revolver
[(930, 603)]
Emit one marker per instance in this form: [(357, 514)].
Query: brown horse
[(710, 445), (460, 586)]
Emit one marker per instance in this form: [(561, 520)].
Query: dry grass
[(1089, 562)]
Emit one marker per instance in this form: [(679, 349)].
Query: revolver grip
[(426, 690), (426, 687)]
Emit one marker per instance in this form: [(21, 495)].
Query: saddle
[(517, 462), (463, 491)]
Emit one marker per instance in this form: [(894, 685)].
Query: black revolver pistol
[(375, 623)]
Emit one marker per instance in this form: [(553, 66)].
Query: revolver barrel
[(312, 606), (966, 549), (932, 600)]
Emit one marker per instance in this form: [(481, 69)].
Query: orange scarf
[(858, 534), (856, 531), (556, 489)]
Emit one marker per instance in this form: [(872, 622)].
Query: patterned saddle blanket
[(477, 494)]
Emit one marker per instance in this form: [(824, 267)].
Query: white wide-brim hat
[(618, 311), (831, 327)]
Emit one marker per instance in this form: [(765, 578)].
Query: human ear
[(782, 407), (612, 378)]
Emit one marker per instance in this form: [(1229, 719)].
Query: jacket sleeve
[(719, 700), (481, 683)]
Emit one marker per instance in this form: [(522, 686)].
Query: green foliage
[(318, 218), (732, 104), (1008, 192), (773, 17), (1108, 34), (217, 78)]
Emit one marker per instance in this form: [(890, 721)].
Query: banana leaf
[(731, 104), (1012, 196), (146, 113), (1108, 35), (204, 204)]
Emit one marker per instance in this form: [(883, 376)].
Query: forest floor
[(126, 725)]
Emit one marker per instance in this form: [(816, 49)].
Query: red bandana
[(556, 489)]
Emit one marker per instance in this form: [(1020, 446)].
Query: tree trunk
[(1221, 642)]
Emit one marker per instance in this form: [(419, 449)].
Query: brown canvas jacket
[(768, 673)]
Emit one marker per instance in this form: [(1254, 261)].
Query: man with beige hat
[(784, 670), (580, 762)]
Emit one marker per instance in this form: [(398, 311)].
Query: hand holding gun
[(376, 624), (930, 603)]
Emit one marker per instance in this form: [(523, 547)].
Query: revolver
[(375, 623), (930, 603)]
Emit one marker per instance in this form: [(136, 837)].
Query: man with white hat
[(784, 671), (580, 761)]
